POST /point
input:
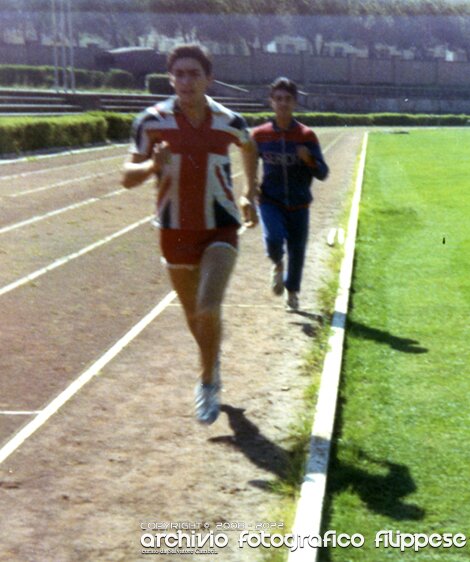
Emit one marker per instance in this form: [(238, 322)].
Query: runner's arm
[(139, 168), (311, 154), (247, 200)]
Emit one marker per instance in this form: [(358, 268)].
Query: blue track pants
[(286, 230)]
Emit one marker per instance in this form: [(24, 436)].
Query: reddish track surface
[(125, 450)]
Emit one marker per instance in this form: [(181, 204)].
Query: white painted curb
[(307, 521)]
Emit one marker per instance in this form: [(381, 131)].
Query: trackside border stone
[(308, 517)]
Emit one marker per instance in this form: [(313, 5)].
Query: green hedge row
[(26, 134), (118, 125), (43, 76), (370, 119), (158, 84)]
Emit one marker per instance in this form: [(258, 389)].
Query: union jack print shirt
[(195, 188)]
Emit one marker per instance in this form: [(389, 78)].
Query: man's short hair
[(192, 52), (283, 83)]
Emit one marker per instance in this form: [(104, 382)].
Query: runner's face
[(283, 104), (189, 80)]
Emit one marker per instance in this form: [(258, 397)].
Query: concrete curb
[(307, 521)]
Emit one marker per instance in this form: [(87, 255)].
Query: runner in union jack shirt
[(195, 191), (185, 142)]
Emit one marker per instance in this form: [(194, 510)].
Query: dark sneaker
[(292, 300), (277, 278)]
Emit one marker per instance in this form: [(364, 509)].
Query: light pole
[(63, 46), (70, 34), (62, 29), (54, 46)]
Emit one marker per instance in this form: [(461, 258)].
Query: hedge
[(26, 134), (118, 125), (43, 76), (119, 79), (158, 84), (369, 119)]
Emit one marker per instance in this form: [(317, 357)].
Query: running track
[(83, 297)]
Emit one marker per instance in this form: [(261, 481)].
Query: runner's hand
[(250, 216), (161, 156), (305, 155)]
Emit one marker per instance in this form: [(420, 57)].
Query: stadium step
[(37, 108), (32, 102)]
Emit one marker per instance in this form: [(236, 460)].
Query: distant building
[(287, 44), (443, 52), (343, 49), (164, 44), (384, 51)]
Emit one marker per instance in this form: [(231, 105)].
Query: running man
[(291, 157), (184, 141)]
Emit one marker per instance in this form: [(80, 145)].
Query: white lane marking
[(49, 170), (332, 143), (28, 430), (312, 492), (58, 184), (72, 207), (18, 413), (70, 257)]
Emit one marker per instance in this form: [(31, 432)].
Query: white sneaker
[(277, 278), (292, 300), (206, 400)]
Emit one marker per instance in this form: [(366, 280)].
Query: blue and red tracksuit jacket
[(286, 178)]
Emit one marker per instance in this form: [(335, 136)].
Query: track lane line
[(55, 212), (66, 259), (12, 445), (56, 168), (54, 185)]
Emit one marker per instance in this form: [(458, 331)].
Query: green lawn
[(401, 458)]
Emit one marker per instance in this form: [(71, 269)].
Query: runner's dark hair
[(283, 83), (190, 51)]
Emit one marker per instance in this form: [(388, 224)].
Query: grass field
[(401, 455)]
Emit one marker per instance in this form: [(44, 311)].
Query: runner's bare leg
[(201, 293)]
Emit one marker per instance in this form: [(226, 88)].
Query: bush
[(120, 79), (118, 125), (89, 78), (22, 75), (11, 135), (43, 76), (158, 84), (368, 120), (316, 119), (25, 134)]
